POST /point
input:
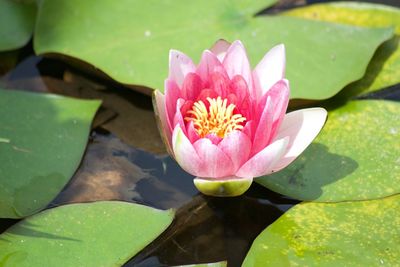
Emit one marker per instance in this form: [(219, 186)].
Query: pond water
[(126, 160)]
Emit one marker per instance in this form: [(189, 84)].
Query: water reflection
[(210, 229), (112, 170), (206, 229)]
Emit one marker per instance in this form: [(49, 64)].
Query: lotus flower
[(225, 123)]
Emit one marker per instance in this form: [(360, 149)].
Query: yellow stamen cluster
[(218, 119)]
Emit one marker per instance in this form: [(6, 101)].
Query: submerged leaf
[(132, 47), (94, 234), (46, 137), (364, 233), (355, 157)]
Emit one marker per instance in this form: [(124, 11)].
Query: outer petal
[(161, 118), (279, 93), (179, 66), (270, 69), (301, 126), (237, 63), (216, 163), (178, 118), (209, 64), (262, 163), (219, 49), (184, 152), (237, 146), (263, 131), (172, 94)]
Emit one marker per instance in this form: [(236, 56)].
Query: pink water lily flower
[(225, 123)]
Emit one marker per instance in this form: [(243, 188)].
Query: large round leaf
[(42, 139), (384, 69), (17, 19), (130, 40), (96, 234), (355, 157), (364, 233)]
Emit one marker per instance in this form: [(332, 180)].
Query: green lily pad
[(355, 157), (42, 140), (96, 234), (125, 41), (17, 19), (384, 69), (364, 233)]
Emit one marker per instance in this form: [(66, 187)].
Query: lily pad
[(364, 233), (355, 157), (96, 234), (43, 138), (125, 41), (17, 19), (384, 69)]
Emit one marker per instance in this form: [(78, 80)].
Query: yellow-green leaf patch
[(363, 233)]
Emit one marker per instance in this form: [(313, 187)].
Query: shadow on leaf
[(307, 176)]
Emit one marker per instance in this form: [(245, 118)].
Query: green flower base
[(223, 188)]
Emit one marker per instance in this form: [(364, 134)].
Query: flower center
[(218, 119)]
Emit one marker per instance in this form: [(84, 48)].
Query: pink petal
[(270, 70), (248, 129), (161, 117), (262, 163), (237, 63), (301, 126), (204, 94), (237, 146), (215, 139), (220, 84), (192, 86), (172, 94), (209, 63), (219, 49), (263, 131), (185, 153), (178, 118), (191, 132), (239, 88), (216, 163), (279, 94), (179, 66)]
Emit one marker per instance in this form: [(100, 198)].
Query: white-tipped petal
[(301, 126), (270, 70), (179, 65), (184, 152), (219, 49), (237, 63), (262, 162)]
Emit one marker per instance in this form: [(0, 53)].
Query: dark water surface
[(126, 160)]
